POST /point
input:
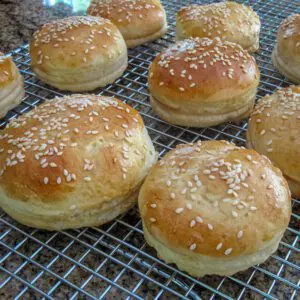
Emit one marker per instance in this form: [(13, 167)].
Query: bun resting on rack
[(230, 21), (214, 208), (11, 85), (274, 130), (78, 53), (73, 161), (286, 54), (139, 21), (201, 82)]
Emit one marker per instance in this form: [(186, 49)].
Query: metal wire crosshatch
[(113, 261)]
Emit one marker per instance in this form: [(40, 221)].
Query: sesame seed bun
[(78, 53), (274, 130), (229, 21), (73, 161), (214, 208), (286, 54), (201, 82), (139, 21), (11, 85)]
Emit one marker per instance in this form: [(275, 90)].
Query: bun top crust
[(134, 18), (216, 199), (76, 42), (8, 70), (274, 129), (288, 36), (230, 21), (73, 148), (200, 69)]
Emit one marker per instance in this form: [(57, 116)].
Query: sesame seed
[(228, 251), (172, 195), (179, 210), (46, 180), (240, 234), (210, 227), (58, 180), (193, 247), (192, 223), (153, 205), (199, 219), (87, 178), (234, 213), (189, 206), (152, 220), (219, 246), (253, 208)]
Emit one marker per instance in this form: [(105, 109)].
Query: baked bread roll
[(229, 21), (11, 85), (78, 53), (214, 208), (139, 21), (202, 82), (286, 54), (74, 161), (274, 130)]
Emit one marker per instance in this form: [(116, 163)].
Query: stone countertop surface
[(18, 20)]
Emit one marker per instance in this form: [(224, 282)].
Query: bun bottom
[(175, 116), (290, 70), (131, 43), (68, 219), (200, 265), (95, 76), (11, 96)]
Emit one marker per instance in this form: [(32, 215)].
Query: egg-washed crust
[(215, 199)]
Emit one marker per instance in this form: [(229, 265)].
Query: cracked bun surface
[(286, 54), (139, 21), (72, 162), (230, 21), (202, 82), (11, 85), (274, 130), (214, 208), (78, 53)]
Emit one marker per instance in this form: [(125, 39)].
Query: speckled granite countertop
[(20, 18)]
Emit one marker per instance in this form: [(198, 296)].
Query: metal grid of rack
[(113, 261)]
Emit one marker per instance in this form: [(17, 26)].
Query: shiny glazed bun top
[(199, 69), (73, 148), (75, 41), (288, 36), (215, 199), (274, 130), (135, 18), (230, 21)]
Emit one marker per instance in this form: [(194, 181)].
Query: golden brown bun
[(74, 161), (214, 208), (201, 82), (286, 54), (78, 53), (229, 21), (274, 130), (11, 85), (139, 21)]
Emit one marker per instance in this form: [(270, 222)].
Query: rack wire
[(113, 261)]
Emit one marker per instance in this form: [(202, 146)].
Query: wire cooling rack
[(113, 261)]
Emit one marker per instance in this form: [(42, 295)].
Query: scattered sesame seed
[(228, 251)]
